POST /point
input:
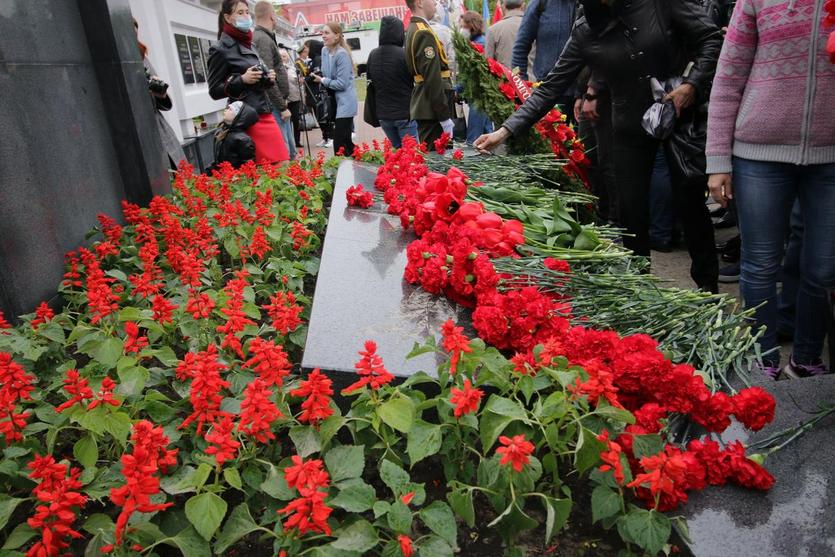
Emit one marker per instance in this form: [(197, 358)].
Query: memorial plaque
[(205, 45), (186, 67), (197, 60), (794, 517), (360, 291)]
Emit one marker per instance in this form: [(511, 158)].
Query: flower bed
[(161, 407)]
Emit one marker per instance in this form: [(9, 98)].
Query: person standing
[(429, 68), (338, 81), (768, 159), (295, 97), (392, 82), (501, 36), (263, 39), (234, 74), (471, 25), (625, 44)]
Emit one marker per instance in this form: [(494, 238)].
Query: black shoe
[(717, 213), (663, 247), (729, 273), (731, 250), (725, 221)]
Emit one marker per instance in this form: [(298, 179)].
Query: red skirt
[(270, 146)]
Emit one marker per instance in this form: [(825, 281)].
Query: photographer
[(337, 78), (237, 73), (158, 89)]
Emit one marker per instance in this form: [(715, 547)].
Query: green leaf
[(108, 352), (190, 543), (167, 356), (233, 478), (19, 536), (419, 349), (98, 522), (201, 475), (7, 507), (206, 512), (617, 414), (239, 524), (438, 517), (181, 481), (132, 380), (557, 511), (399, 518), (433, 546), (355, 498), (276, 486), (462, 503), (647, 445), (52, 331), (230, 244), (398, 413), (86, 451), (505, 407), (380, 508), (393, 476), (588, 451), (587, 240), (344, 462), (306, 440), (605, 503), (424, 440), (359, 536), (118, 424), (329, 427), (649, 529), (490, 427)]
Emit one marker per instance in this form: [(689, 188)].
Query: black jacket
[(228, 61), (387, 70), (625, 47), (232, 144)]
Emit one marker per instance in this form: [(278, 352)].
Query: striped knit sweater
[(773, 97)]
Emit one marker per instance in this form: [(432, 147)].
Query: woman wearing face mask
[(625, 43), (234, 75), (471, 25), (338, 79)]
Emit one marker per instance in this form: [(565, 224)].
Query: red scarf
[(243, 38)]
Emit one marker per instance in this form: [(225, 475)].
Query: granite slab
[(794, 518), (360, 292)]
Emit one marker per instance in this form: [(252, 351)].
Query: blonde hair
[(336, 28)]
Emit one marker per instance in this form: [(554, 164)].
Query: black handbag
[(685, 148), (369, 111)]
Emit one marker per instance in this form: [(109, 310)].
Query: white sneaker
[(322, 143), (353, 136), (328, 144)]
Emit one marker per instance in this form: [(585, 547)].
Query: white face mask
[(465, 32)]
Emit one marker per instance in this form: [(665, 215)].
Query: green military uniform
[(427, 62)]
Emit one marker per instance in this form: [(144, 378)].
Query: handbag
[(369, 111)]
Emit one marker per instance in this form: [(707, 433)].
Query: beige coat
[(501, 36)]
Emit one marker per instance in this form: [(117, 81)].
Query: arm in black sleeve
[(555, 84), (223, 84), (704, 41)]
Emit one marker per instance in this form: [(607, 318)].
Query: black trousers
[(342, 136), (428, 132), (295, 115), (597, 140), (634, 157)]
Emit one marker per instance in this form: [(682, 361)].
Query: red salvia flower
[(316, 391), (43, 313), (222, 445), (306, 476), (101, 299), (308, 514), (236, 319), (77, 387), (611, 457), (269, 361), (284, 312), (455, 343), (110, 228), (15, 386), (300, 234), (199, 305), (406, 498), (105, 395), (163, 309), (203, 368), (3, 323), (516, 450), (259, 246), (263, 204), (405, 545), (258, 411), (466, 400), (133, 341), (371, 368), (141, 470), (60, 499)]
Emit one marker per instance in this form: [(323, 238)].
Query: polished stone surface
[(360, 292), (793, 519)]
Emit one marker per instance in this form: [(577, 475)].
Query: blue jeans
[(396, 130), (286, 128), (478, 123), (765, 193), (662, 217)]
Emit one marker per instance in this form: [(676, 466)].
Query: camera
[(157, 86), (265, 80)]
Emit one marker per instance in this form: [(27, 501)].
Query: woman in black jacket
[(625, 43), (392, 82), (234, 74)]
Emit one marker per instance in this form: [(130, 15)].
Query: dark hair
[(474, 22), (143, 48), (226, 8), (512, 4), (410, 4)]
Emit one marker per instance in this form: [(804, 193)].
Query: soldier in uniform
[(427, 62)]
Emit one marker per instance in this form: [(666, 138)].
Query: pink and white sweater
[(773, 97)]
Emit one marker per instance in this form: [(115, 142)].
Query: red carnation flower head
[(754, 407), (515, 451), (358, 197)]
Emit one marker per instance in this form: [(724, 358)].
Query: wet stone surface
[(360, 292), (794, 519)]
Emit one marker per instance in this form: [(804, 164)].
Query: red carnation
[(754, 407), (358, 197)]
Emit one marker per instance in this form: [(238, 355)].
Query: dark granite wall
[(77, 135)]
